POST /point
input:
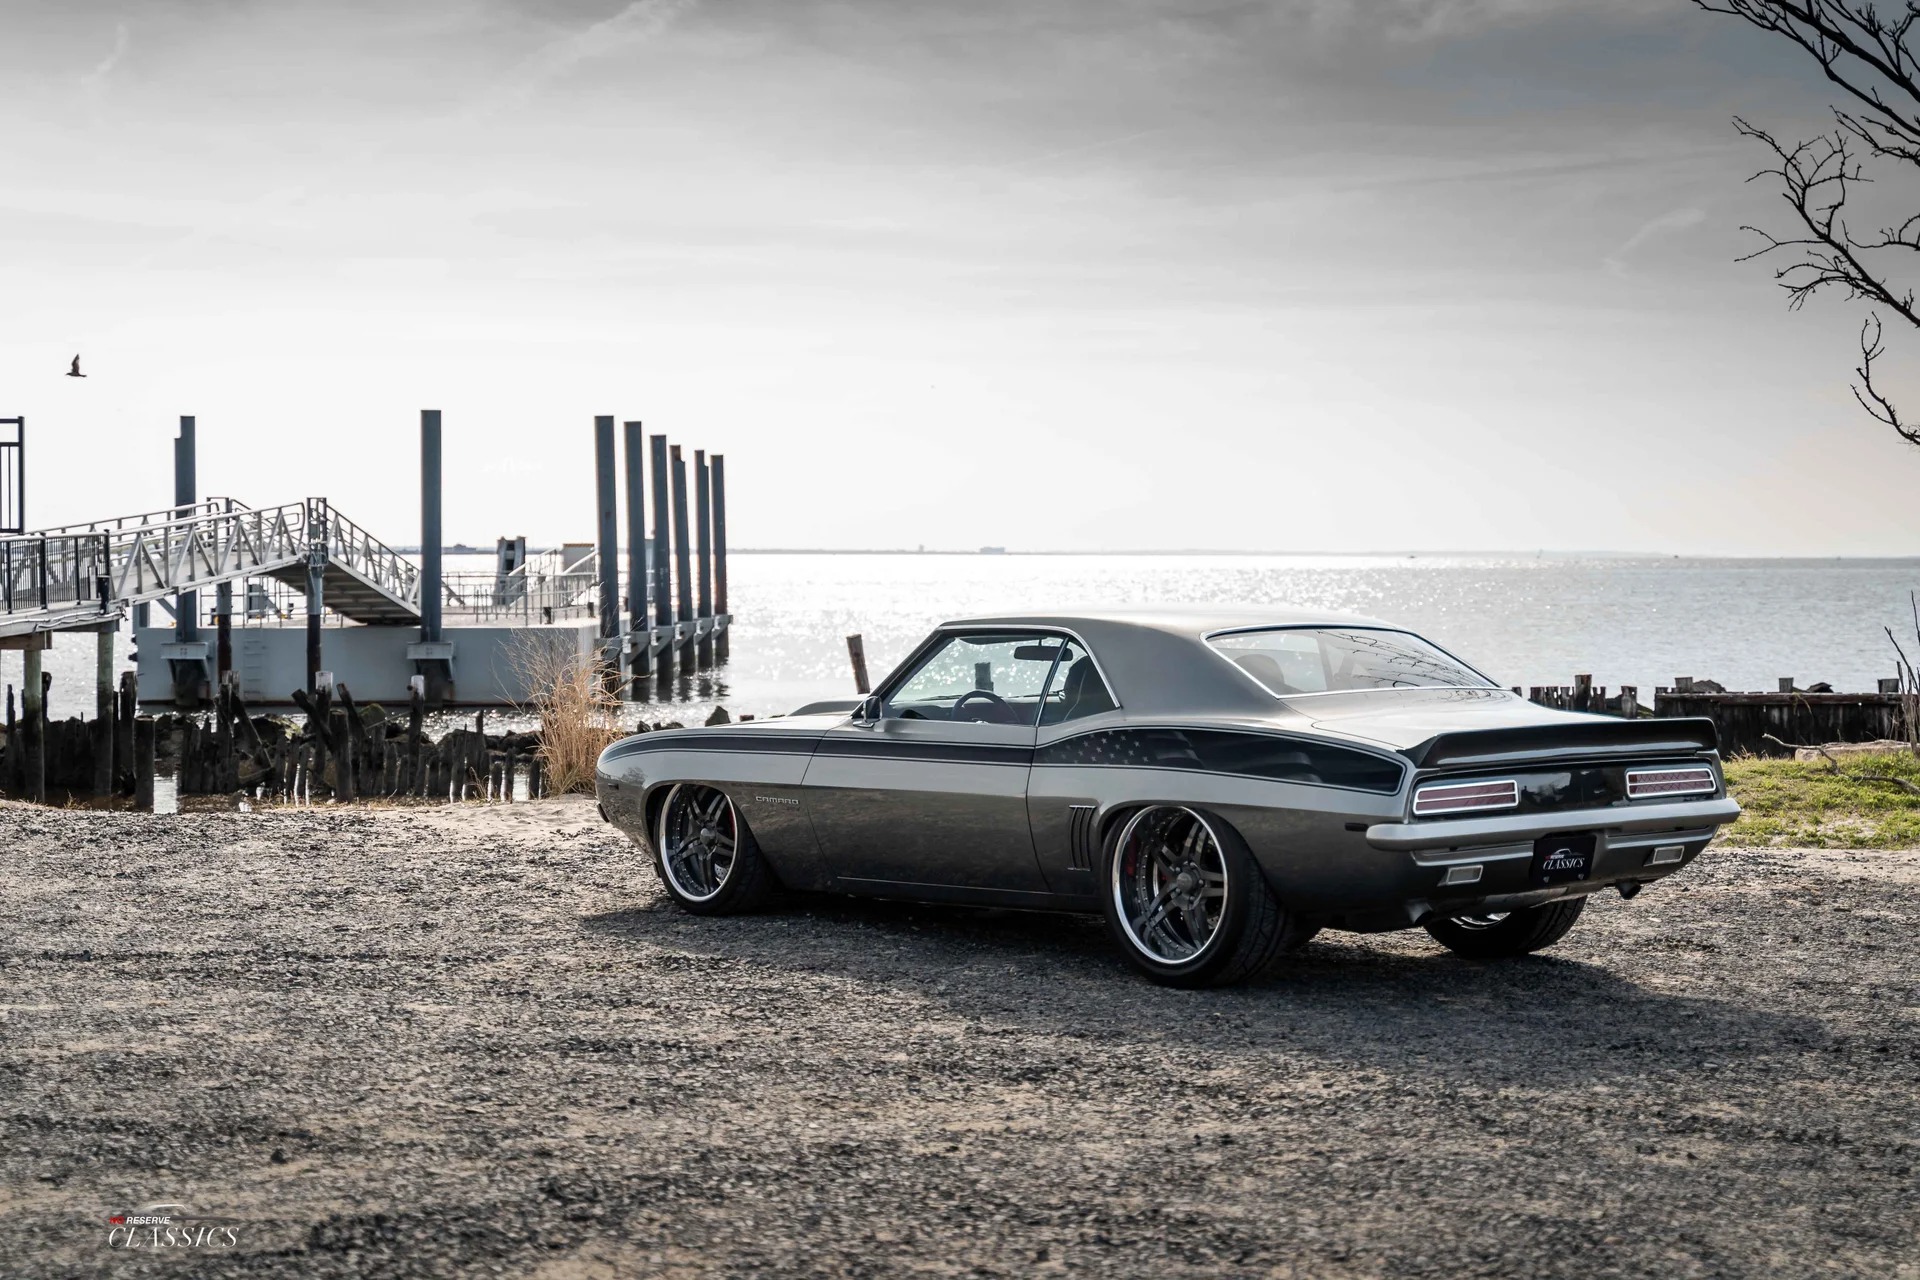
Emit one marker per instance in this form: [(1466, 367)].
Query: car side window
[(1076, 689), (979, 677)]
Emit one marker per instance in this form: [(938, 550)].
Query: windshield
[(1343, 659)]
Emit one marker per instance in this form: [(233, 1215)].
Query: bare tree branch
[(1870, 397), (1833, 766), (1867, 52)]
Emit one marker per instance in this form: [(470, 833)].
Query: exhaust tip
[(1628, 888)]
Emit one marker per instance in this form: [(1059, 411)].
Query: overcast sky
[(1310, 274)]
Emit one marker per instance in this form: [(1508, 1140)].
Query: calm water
[(1523, 620)]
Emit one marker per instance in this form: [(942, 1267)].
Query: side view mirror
[(869, 711)]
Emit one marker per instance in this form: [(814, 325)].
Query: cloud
[(95, 81), (1653, 228), (636, 23)]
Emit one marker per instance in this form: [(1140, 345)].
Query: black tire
[(1516, 933), (746, 883), (1248, 932)]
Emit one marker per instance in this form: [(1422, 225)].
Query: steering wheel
[(999, 704)]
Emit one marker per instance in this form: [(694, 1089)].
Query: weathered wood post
[(123, 731), (719, 464), (223, 630), (857, 654), (639, 654), (1583, 693), (662, 571), (342, 743), (703, 550), (415, 781), (104, 706), (1786, 684), (143, 748), (12, 773), (226, 775), (533, 775), (33, 738)]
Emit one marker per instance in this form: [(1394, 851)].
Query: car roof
[(1157, 661), (1189, 620)]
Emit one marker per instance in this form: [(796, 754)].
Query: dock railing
[(56, 577)]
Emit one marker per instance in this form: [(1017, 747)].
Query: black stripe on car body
[(907, 749), (749, 743), (1266, 756), (1270, 756)]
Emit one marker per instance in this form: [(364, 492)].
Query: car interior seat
[(1266, 671), (1082, 693)]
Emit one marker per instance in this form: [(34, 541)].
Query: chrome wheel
[(1169, 883), (1487, 920), (699, 840)]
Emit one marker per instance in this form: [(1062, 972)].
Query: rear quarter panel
[(1297, 833)]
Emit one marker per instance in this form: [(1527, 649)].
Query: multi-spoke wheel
[(704, 853), (1490, 935), (1186, 901)]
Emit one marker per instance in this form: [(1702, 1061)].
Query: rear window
[(1296, 660)]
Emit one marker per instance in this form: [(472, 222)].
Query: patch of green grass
[(1784, 802)]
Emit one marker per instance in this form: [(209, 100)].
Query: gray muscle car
[(1220, 785)]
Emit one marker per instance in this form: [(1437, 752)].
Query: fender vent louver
[(1080, 836)]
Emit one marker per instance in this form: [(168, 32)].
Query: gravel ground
[(478, 1041)]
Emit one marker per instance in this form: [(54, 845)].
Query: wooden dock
[(1746, 721)]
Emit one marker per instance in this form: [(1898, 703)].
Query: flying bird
[(75, 371)]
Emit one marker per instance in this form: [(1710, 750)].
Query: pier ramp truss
[(86, 577)]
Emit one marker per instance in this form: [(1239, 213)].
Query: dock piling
[(123, 732), (33, 727), (857, 654), (639, 651), (662, 548), (608, 532), (682, 568), (316, 601), (188, 675), (143, 747), (438, 671), (719, 467), (104, 705), (703, 549), (223, 630)]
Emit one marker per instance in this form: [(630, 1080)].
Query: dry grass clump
[(573, 696), (1786, 802)]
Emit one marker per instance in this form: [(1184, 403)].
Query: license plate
[(1559, 859)]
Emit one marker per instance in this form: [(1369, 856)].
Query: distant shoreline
[(463, 549)]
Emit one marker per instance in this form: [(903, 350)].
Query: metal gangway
[(79, 576)]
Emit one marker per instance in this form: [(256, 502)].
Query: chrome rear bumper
[(1508, 829)]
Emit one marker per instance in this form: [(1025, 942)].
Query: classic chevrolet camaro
[(1220, 785)]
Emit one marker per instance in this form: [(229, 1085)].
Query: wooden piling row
[(345, 752), (46, 758)]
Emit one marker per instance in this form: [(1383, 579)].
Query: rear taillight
[(1693, 780), (1465, 797)]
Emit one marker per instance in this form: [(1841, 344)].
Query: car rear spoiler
[(1577, 740)]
